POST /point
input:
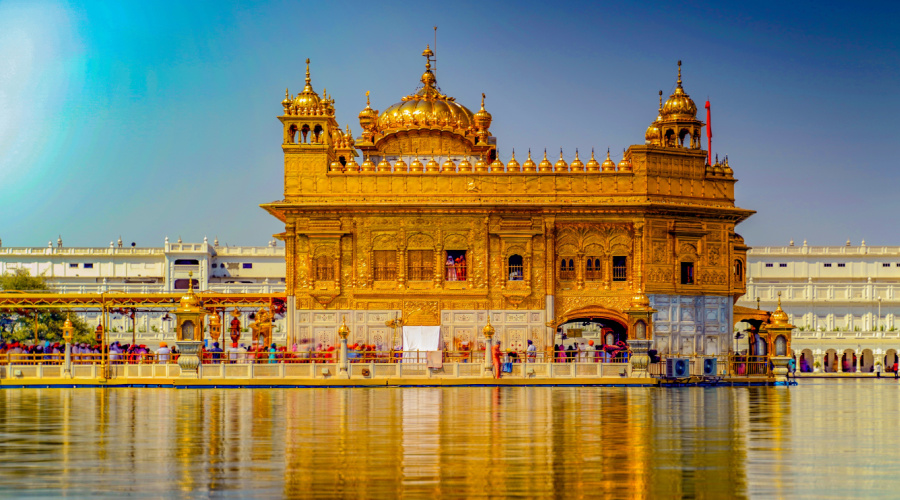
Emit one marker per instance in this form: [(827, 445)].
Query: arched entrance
[(831, 362), (598, 325), (890, 357), (806, 361)]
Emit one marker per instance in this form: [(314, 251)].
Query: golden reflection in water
[(454, 442)]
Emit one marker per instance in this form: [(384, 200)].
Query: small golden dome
[(383, 165), (448, 167), (286, 103), (652, 134), (400, 166), (727, 169), (68, 323), (368, 115), (624, 165), (561, 165), (545, 165), (432, 167), (416, 166), (465, 166), (336, 166), (368, 165), (488, 329), (513, 165), (344, 330), (482, 117), (480, 165), (593, 165), (679, 105), (497, 165), (608, 165), (529, 165), (779, 318), (639, 299), (307, 100), (577, 165), (352, 166)]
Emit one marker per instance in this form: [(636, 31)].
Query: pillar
[(343, 361), (488, 332)]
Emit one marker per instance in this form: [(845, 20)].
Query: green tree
[(20, 324)]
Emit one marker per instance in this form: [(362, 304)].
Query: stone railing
[(322, 371)]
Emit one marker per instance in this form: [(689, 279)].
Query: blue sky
[(148, 119)]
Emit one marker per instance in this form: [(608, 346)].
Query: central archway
[(606, 326)]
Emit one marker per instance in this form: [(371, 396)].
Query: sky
[(152, 119)]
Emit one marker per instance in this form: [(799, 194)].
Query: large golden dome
[(427, 107), (679, 105)]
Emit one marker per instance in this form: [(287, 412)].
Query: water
[(822, 439)]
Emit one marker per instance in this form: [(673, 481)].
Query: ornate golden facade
[(543, 241)]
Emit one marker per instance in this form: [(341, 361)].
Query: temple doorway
[(600, 331)]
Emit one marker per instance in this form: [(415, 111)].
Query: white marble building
[(165, 269), (842, 299)]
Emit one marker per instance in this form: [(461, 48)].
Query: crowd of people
[(123, 353), (590, 353)]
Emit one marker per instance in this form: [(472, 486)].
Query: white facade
[(163, 269), (842, 298)]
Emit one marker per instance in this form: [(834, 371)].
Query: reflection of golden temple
[(538, 245)]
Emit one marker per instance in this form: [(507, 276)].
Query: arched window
[(304, 132), (566, 269), (317, 134), (515, 268), (292, 134), (738, 271), (592, 269)]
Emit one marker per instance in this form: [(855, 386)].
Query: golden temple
[(434, 228)]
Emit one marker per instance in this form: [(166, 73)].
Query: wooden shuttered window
[(385, 265), (420, 265)]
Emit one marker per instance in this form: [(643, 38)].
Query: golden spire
[(608, 165), (308, 86), (593, 165), (679, 73), (561, 165), (625, 164), (513, 165), (660, 100), (529, 165), (428, 76), (545, 165), (577, 165)]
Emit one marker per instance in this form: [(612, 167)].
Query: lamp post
[(488, 332), (344, 368), (67, 330), (878, 323)]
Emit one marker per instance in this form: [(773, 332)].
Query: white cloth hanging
[(417, 340)]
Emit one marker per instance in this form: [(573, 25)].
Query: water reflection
[(826, 439)]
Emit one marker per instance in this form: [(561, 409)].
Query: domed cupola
[(307, 102), (677, 122), (679, 104), (368, 115)]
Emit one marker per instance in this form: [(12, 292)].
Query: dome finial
[(367, 97), (679, 73), (307, 71), (482, 101), (660, 101)]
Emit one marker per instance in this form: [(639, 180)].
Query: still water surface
[(822, 439)]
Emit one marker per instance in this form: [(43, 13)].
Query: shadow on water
[(830, 439)]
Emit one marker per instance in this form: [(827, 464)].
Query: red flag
[(708, 135)]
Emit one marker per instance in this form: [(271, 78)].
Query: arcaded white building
[(164, 269), (842, 299)]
